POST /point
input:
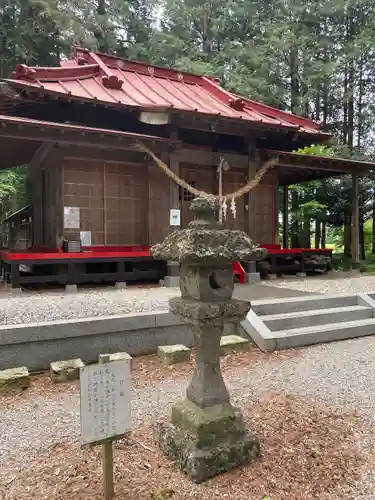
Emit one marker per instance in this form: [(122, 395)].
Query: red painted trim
[(239, 271), (282, 115), (294, 251), (72, 255)]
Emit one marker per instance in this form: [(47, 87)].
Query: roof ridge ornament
[(237, 103), (109, 79), (24, 72)]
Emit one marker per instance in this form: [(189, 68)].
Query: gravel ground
[(311, 407), (356, 284), (33, 308)]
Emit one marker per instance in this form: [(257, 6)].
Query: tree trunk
[(306, 234), (345, 107), (325, 91), (360, 104), (324, 234), (347, 237), (350, 127), (318, 232), (362, 249), (294, 87), (295, 226), (373, 223), (100, 29), (317, 105)]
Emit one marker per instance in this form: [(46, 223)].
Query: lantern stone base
[(207, 442)]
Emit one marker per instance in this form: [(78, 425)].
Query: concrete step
[(296, 337), (310, 302), (301, 319)]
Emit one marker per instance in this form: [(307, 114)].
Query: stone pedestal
[(205, 442), (206, 435)]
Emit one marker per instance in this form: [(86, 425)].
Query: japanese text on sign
[(71, 218), (105, 401)]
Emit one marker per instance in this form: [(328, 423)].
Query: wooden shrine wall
[(127, 202), (112, 198), (263, 210)]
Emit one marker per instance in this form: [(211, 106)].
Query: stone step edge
[(314, 312), (347, 325), (334, 333), (311, 302), (304, 299)]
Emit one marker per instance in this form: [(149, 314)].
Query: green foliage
[(13, 190)]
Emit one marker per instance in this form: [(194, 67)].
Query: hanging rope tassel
[(224, 208), (233, 208)]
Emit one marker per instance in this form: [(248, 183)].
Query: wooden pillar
[(285, 216), (276, 215), (249, 198), (174, 191), (16, 279), (355, 219), (172, 277)]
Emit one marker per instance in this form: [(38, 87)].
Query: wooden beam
[(208, 158), (285, 216), (76, 136), (210, 124), (122, 156), (355, 219), (343, 169)]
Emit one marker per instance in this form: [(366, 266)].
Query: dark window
[(186, 195)]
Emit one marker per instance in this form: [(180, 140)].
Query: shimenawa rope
[(196, 192)]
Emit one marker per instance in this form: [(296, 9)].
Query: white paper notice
[(105, 400), (175, 217), (71, 217), (85, 237)]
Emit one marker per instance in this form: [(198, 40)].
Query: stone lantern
[(206, 435)]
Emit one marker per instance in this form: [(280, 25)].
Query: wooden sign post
[(105, 410)]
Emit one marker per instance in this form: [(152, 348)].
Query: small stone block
[(65, 371), (171, 281), (14, 378), (272, 277), (171, 354), (120, 285), (71, 289), (252, 278), (117, 356), (16, 292), (233, 343), (301, 275)]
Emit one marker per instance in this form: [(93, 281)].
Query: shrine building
[(97, 203)]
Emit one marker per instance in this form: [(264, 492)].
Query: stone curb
[(36, 332), (37, 345)]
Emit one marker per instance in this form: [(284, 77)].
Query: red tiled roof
[(90, 76)]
